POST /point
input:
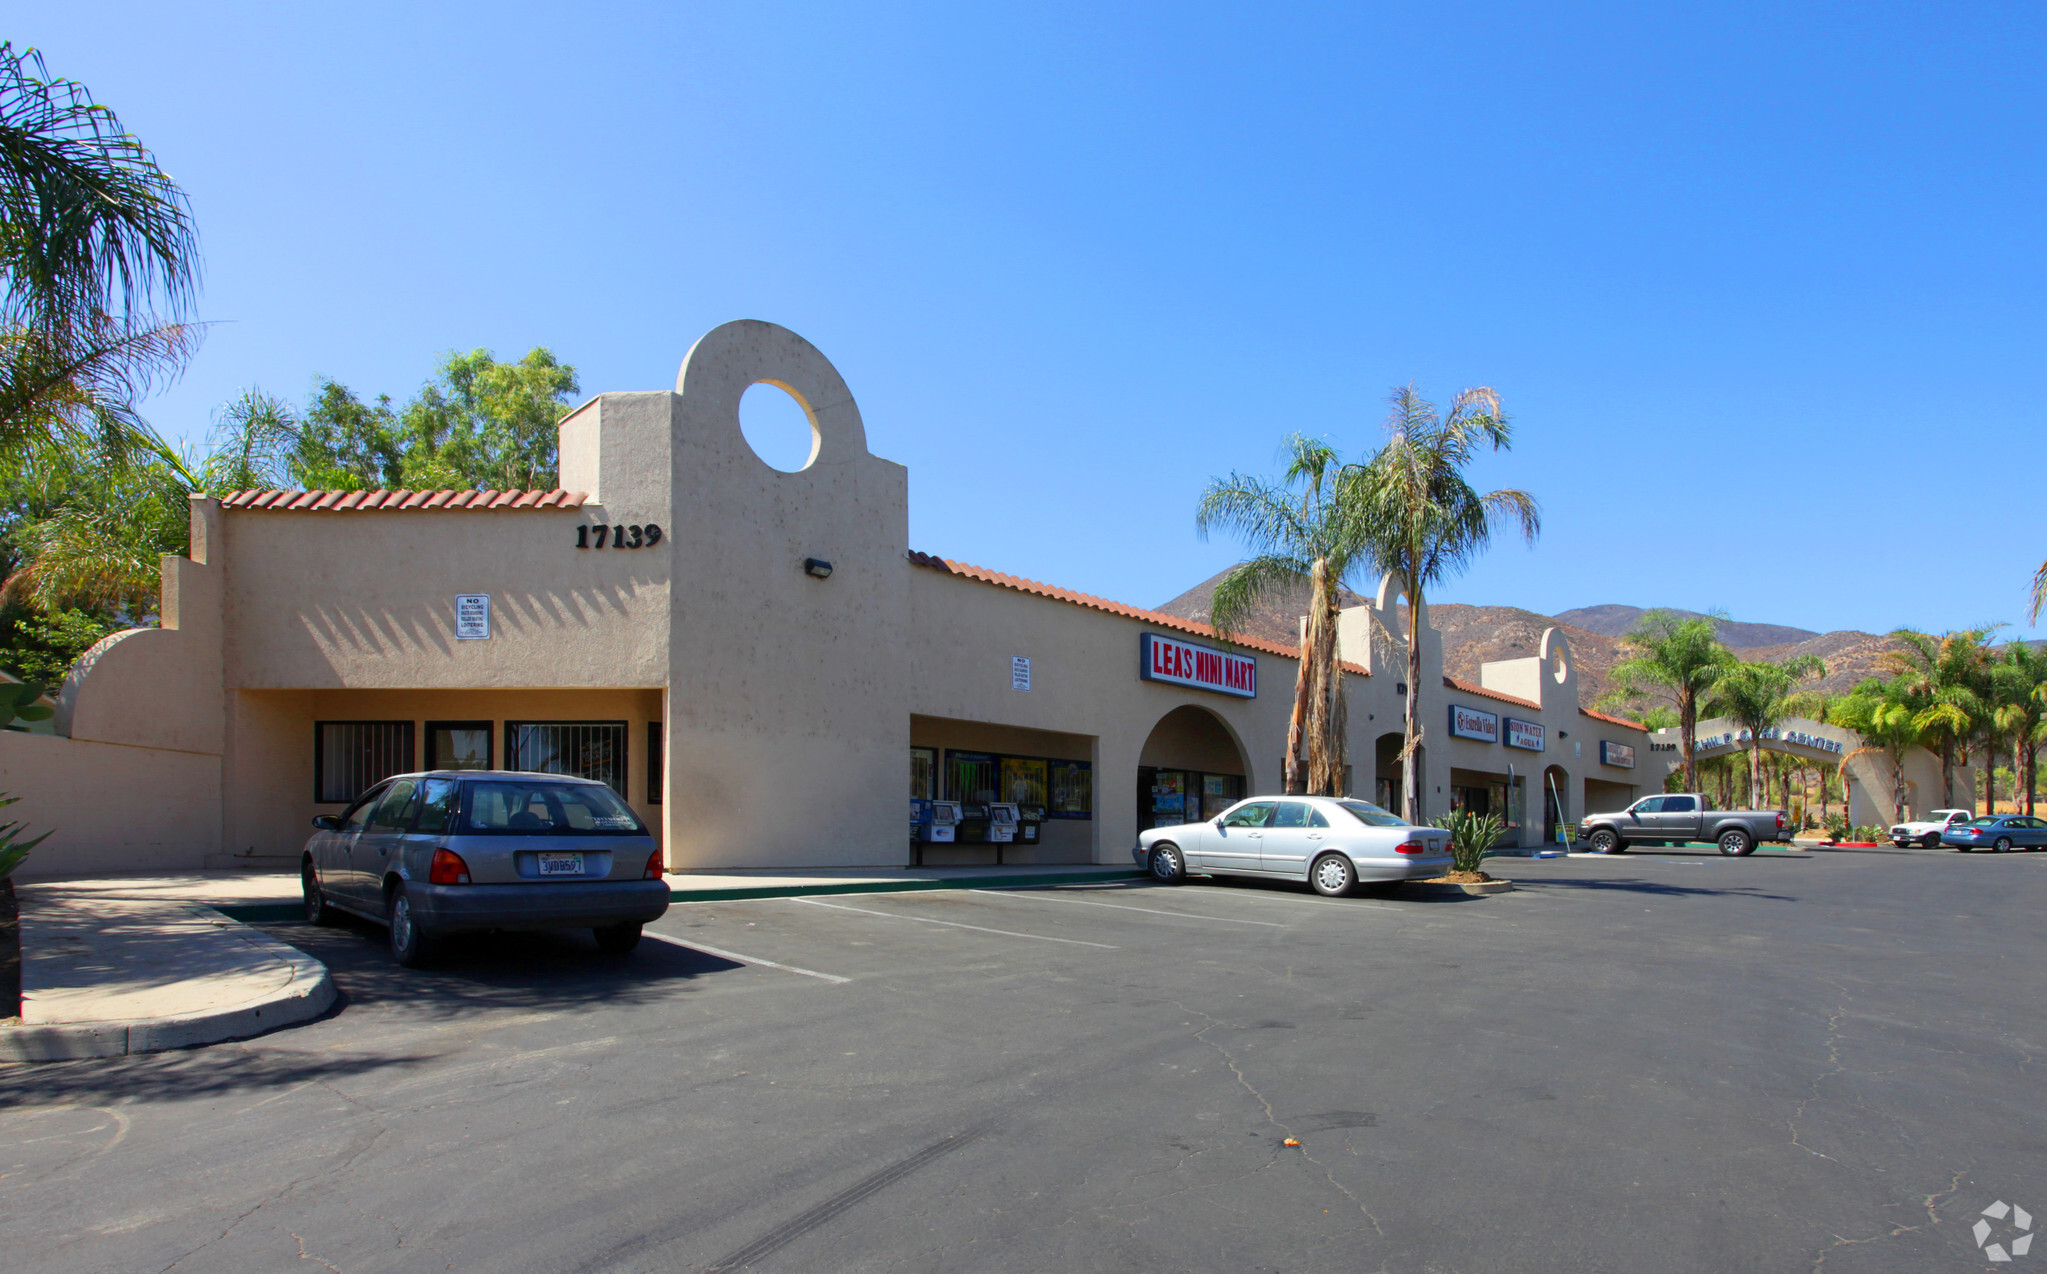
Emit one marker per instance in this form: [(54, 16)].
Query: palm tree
[(1677, 657), (1756, 695), (1299, 533), (2019, 712), (1946, 680), (94, 237), (1882, 712)]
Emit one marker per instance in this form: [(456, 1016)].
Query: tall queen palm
[(1757, 695), (1677, 656), (1299, 534), (1423, 521)]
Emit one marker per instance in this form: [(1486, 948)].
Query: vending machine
[(1031, 826), (939, 820), (1003, 819)]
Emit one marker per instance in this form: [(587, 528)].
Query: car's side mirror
[(327, 822)]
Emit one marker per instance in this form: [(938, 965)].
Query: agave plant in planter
[(1472, 837)]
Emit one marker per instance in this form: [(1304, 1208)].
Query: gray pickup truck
[(1681, 817)]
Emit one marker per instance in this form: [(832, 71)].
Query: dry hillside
[(1473, 635)]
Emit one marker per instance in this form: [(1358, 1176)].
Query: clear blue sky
[(1761, 285)]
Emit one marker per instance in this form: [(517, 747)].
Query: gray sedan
[(462, 850), (1330, 842)]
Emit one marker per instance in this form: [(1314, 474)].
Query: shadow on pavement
[(484, 971), (1660, 888), (183, 1075)]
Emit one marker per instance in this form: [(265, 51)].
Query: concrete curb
[(1445, 889), (309, 994)]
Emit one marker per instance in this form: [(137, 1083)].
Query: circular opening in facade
[(777, 427)]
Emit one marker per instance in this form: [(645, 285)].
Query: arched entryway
[(1387, 765), (1191, 768), (1556, 802)]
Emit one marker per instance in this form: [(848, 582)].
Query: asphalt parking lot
[(1666, 1061)]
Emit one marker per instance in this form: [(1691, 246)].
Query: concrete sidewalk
[(128, 965)]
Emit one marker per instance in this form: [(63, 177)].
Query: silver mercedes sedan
[(451, 851), (1330, 842)]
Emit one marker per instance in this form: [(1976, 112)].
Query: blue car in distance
[(1997, 833)]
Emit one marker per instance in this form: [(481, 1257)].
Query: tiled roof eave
[(1466, 687), (399, 501), (1016, 583), (1613, 720)]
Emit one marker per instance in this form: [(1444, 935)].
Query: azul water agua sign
[(1203, 667)]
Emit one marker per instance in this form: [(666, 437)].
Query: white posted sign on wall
[(472, 616)]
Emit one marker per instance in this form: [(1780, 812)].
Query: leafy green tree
[(94, 237), (1946, 679), (42, 647), (102, 548), (1423, 521), (1884, 714), (1756, 695), (1674, 657), (489, 424), (1299, 533), (346, 444)]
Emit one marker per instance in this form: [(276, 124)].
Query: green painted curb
[(279, 912)]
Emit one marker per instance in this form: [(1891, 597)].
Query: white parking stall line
[(1020, 892), (707, 949), (954, 924)]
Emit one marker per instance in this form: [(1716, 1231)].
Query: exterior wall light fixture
[(817, 568)]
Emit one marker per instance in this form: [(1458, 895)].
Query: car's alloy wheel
[(410, 945), (1736, 843), (1332, 875), (2003, 845), (1606, 841), (317, 910), (1166, 864)]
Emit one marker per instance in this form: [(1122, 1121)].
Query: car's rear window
[(1371, 815), (542, 808), (1985, 821)]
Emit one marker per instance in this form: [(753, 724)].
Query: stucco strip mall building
[(755, 658)]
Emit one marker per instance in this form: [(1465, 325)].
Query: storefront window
[(584, 749), (1072, 785), (1219, 792), (350, 756), (970, 777), (653, 762), (458, 745), (923, 772), (1023, 780)]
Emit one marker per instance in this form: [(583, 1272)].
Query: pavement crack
[(1931, 1203), (1834, 1067), (307, 1256), (1272, 1118)]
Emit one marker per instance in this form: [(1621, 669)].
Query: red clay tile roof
[(985, 576), (1468, 688), (362, 501), (1610, 720)]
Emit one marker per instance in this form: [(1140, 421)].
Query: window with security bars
[(349, 756), (584, 749)]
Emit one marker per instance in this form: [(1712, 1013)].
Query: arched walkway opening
[(1556, 802), (1387, 766), (1190, 769)]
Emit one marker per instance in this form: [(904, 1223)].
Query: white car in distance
[(1331, 842), (1926, 832)]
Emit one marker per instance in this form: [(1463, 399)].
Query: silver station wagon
[(1330, 842), (452, 851)]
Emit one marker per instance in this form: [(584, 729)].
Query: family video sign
[(1470, 723), (1203, 667)]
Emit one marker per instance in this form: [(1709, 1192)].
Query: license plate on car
[(561, 864)]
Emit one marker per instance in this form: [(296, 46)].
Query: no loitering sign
[(1204, 667)]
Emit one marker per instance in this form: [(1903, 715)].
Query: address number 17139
[(620, 537)]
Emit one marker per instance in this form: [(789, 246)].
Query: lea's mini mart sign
[(1183, 663)]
